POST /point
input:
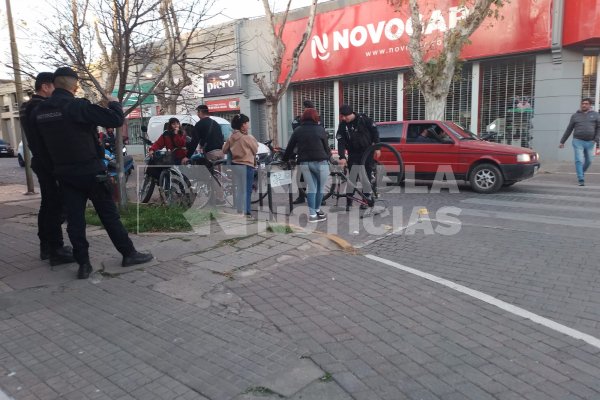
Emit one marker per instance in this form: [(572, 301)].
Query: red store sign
[(582, 22), (371, 36), (232, 104)]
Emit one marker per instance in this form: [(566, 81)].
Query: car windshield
[(2, 141), (460, 132)]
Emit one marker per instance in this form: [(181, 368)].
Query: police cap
[(65, 71)]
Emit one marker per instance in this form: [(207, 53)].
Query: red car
[(429, 147)]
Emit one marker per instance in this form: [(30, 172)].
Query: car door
[(427, 157), (390, 133)]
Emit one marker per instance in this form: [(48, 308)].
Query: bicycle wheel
[(146, 189), (331, 185), (224, 179), (171, 189), (388, 169)]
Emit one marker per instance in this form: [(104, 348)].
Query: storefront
[(222, 93), (522, 77)]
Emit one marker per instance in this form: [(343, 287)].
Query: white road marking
[(4, 396), (538, 319)]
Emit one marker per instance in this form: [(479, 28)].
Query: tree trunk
[(435, 90), (271, 109)]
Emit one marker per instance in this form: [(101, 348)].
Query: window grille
[(259, 125), (507, 99), (458, 103), (375, 95), (321, 94)]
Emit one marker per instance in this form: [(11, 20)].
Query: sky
[(28, 13)]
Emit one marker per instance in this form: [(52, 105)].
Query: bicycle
[(175, 189), (259, 187), (389, 165)]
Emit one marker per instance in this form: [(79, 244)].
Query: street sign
[(135, 90)]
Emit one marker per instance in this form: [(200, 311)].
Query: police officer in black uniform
[(355, 134), (50, 215), (68, 126)]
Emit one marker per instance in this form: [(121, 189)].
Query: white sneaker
[(317, 218)]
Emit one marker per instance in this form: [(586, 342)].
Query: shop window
[(590, 76), (507, 100), (458, 103)]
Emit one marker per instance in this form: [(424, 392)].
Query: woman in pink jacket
[(243, 147)]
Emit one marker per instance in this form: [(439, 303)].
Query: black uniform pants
[(50, 216), (76, 192), (359, 173)]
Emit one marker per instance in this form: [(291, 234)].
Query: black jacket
[(207, 133), (68, 126), (309, 141), (356, 136), (40, 160)]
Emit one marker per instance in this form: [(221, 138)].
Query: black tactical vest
[(73, 146)]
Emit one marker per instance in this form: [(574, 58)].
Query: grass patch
[(154, 218), (285, 229), (326, 378)]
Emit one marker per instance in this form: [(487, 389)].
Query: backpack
[(360, 138)]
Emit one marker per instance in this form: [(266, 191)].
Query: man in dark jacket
[(585, 125), (50, 215), (207, 132), (355, 134), (67, 126)]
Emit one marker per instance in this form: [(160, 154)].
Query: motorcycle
[(110, 163)]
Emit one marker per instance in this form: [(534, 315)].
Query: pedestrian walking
[(243, 148), (355, 134), (585, 126), (67, 126), (50, 215), (309, 143)]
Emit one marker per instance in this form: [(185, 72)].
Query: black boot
[(84, 271), (136, 258), (62, 255), (44, 252), (299, 200)]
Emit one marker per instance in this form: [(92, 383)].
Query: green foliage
[(154, 218), (285, 229)]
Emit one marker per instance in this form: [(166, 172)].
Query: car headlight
[(493, 126), (523, 158)]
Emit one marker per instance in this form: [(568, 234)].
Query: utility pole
[(19, 89)]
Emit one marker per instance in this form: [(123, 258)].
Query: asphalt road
[(10, 172)]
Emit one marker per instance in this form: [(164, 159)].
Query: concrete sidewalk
[(169, 329)]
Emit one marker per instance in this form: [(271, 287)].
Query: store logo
[(220, 83), (392, 30)]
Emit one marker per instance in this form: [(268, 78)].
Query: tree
[(275, 86), (111, 42), (434, 67)]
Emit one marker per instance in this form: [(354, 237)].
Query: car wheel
[(21, 161), (486, 178)]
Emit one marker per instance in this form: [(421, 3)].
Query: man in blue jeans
[(585, 126)]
